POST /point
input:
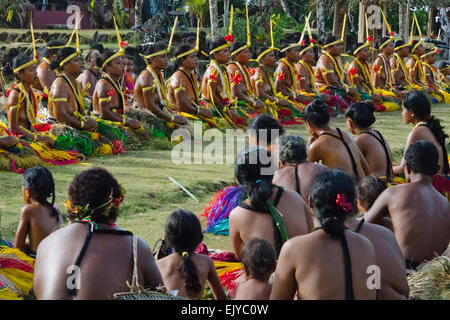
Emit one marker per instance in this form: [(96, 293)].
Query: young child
[(38, 218), (258, 261), (185, 272)]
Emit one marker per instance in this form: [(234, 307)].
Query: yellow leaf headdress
[(169, 47), (249, 42), (35, 57), (272, 47)]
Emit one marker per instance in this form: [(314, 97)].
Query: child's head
[(369, 188), (184, 233), (258, 259), (38, 185), (129, 64)]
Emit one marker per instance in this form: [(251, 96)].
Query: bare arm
[(152, 276), (178, 85), (13, 113), (379, 208), (22, 230), (235, 237), (280, 81), (215, 284), (105, 102), (415, 135), (285, 284), (313, 152)]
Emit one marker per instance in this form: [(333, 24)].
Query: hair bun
[(333, 226)]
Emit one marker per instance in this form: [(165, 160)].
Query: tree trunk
[(403, 32), (138, 12), (215, 34), (408, 21), (321, 29), (432, 26), (361, 23), (384, 30), (226, 13), (338, 20), (287, 9)]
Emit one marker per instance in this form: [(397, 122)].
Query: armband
[(81, 124)]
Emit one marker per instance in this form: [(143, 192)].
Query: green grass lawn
[(151, 196)]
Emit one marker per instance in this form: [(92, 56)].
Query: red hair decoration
[(236, 79), (312, 40), (281, 77), (229, 38), (370, 39), (392, 33), (436, 51), (123, 44), (111, 92), (341, 201), (303, 43), (226, 101)]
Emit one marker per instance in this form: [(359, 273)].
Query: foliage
[(9, 10), (199, 8), (122, 17)]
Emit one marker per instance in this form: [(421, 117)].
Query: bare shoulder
[(232, 68), (293, 196), (177, 79)]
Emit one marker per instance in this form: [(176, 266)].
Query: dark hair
[(369, 188), (330, 39), (39, 181), (427, 51), (354, 48), (156, 47), (181, 49), (48, 53), (237, 45), (443, 65), (265, 122), (250, 165), (258, 257), (94, 187), (261, 50), (254, 173), (317, 113), (62, 54), (399, 43), (381, 41), (184, 233), (361, 114), (417, 102), (324, 194), (292, 149), (414, 44), (215, 44), (16, 62), (422, 157), (103, 57)]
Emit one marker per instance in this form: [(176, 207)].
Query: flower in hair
[(280, 77), (341, 201), (229, 38), (370, 39), (392, 33), (303, 43), (352, 71), (123, 44), (36, 56), (436, 51), (111, 92), (312, 40)]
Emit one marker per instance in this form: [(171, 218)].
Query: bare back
[(246, 224), (313, 267), (307, 173), (104, 269), (332, 152), (379, 158), (418, 212), (389, 258)]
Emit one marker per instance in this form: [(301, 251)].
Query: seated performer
[(425, 215), (91, 74), (332, 262), (183, 90), (39, 217), (45, 74), (263, 81), (372, 144), (334, 148), (66, 102), (400, 78), (444, 74), (388, 255), (185, 271), (241, 88), (22, 103), (286, 75), (260, 215), (108, 99), (295, 172), (432, 79), (330, 73), (216, 86), (381, 70), (92, 258), (417, 111), (150, 90), (415, 68)]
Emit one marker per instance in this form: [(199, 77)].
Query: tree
[(198, 8), (214, 19), (138, 12), (287, 9)]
